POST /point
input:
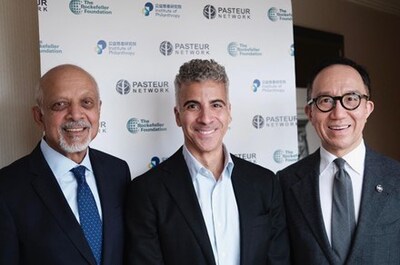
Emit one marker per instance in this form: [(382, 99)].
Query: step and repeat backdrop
[(135, 48)]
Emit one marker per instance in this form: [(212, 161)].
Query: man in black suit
[(41, 220), (203, 205), (338, 107)]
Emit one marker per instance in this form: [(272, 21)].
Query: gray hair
[(198, 70)]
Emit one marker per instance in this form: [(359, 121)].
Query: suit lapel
[(306, 192), (245, 199), (178, 182), (372, 202), (52, 197)]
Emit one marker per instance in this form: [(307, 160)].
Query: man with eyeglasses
[(342, 201)]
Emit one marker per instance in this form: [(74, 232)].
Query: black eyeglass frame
[(340, 98)]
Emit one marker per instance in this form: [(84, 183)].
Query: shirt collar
[(196, 167), (59, 164), (352, 158)]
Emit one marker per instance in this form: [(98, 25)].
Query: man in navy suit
[(39, 213), (338, 107), (203, 205)]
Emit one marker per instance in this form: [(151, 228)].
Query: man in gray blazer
[(204, 206), (363, 229)]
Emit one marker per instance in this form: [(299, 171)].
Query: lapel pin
[(379, 188)]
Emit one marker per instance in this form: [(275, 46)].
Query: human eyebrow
[(219, 101), (190, 102)]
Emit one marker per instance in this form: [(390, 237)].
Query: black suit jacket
[(165, 224), (37, 225), (377, 236)]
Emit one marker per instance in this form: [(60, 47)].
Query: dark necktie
[(88, 213), (343, 218)]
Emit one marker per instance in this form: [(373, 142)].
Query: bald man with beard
[(40, 218)]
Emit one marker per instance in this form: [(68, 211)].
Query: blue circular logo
[(132, 125), (148, 7), (233, 49), (256, 85), (291, 51), (258, 121), (155, 161), (209, 12), (101, 45), (166, 48), (123, 87), (273, 14), (279, 156), (76, 6)]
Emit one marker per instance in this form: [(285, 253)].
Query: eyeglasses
[(349, 101)]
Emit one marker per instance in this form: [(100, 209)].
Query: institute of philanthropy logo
[(116, 47), (100, 47), (256, 85), (79, 7), (124, 87), (168, 48), (136, 125), (241, 49), (155, 161), (260, 122), (148, 7), (281, 156), (163, 10), (291, 50), (279, 14), (233, 13), (269, 85)]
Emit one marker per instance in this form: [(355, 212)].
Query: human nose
[(75, 112), (205, 115), (338, 110)]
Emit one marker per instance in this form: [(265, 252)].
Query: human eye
[(192, 106), (217, 104), (324, 100), (88, 103), (59, 105), (351, 98)]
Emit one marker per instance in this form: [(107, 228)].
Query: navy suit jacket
[(165, 224), (37, 225), (377, 237)]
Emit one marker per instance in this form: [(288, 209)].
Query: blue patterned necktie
[(343, 217), (88, 213)]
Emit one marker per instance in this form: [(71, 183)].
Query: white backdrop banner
[(134, 50)]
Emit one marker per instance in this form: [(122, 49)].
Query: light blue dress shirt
[(61, 166), (218, 204)]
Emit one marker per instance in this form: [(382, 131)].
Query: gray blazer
[(377, 236)]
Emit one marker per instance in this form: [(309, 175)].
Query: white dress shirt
[(218, 204), (354, 166), (61, 166)]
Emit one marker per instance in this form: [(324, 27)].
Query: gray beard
[(75, 147)]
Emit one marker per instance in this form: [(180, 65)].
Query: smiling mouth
[(338, 128), (206, 132), (74, 129)]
